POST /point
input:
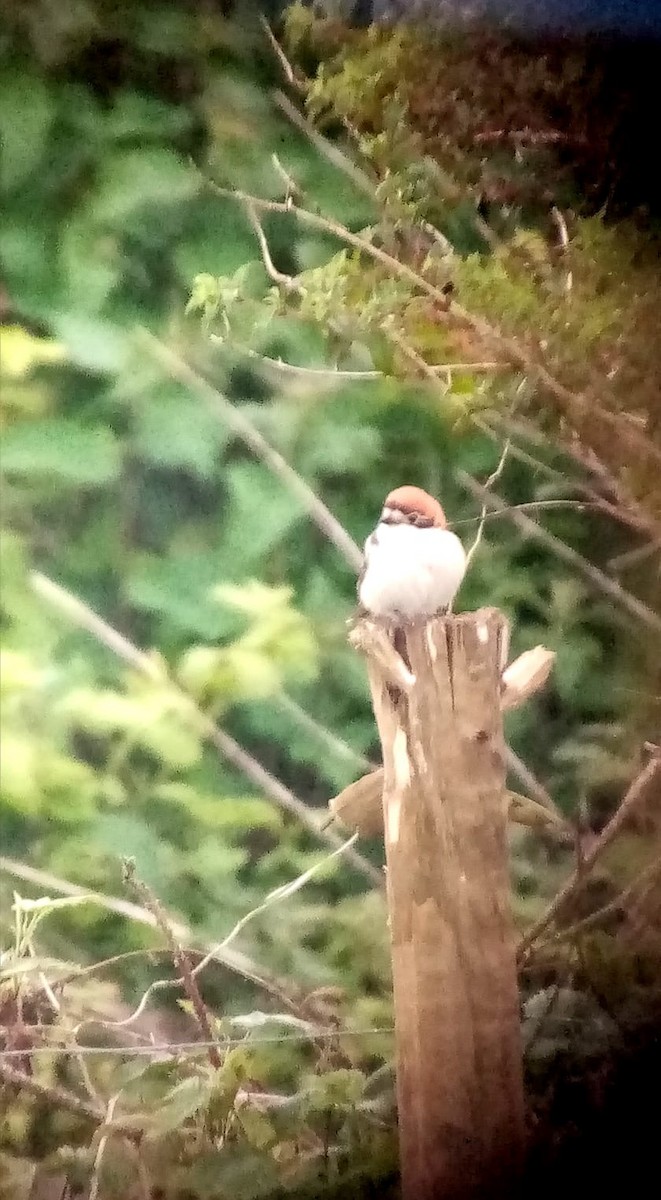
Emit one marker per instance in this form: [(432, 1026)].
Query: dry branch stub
[(359, 805), (459, 1059)]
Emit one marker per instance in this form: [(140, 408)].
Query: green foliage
[(130, 489), (480, 128)]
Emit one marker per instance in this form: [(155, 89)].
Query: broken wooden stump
[(459, 1068)]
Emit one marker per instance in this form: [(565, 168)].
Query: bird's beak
[(391, 516)]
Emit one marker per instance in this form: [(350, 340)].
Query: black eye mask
[(409, 518)]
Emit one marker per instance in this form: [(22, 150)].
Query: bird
[(413, 565)]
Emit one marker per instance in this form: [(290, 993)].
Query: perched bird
[(413, 563)]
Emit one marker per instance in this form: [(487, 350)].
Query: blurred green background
[(128, 488)]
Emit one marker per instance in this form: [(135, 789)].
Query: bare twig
[(596, 578), (631, 558), (239, 423), (84, 616), (618, 512), (528, 136), (640, 886), (233, 959), (529, 781), (338, 375), (53, 1094), (180, 958), (288, 282), (287, 69), (292, 190), (274, 897), (339, 748), (101, 1149), (531, 506), (173, 1049), (625, 508), (327, 149), (632, 799), (493, 478), (575, 404)]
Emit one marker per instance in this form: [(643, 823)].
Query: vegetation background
[(126, 485)]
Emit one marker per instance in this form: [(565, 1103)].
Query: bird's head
[(411, 506)]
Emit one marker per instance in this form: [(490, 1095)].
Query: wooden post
[(459, 1070)]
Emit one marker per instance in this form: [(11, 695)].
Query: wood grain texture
[(459, 1073)]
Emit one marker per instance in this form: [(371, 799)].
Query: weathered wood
[(359, 805), (459, 1074)]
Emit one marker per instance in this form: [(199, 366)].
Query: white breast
[(411, 572)]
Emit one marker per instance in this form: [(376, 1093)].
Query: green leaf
[(182, 1102), (335, 1089), (135, 116), (256, 1126), (157, 720), (173, 430), (140, 181), (178, 587), (66, 449), (89, 262), (234, 1173), (119, 833), (146, 1084), (270, 1022), (93, 344), (165, 29), (261, 514), (26, 114)]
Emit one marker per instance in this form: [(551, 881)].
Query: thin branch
[(287, 69), (321, 144), (626, 508), (338, 375), (632, 799), (596, 578), (288, 282), (574, 403), (531, 506), (640, 886), (180, 958), (274, 897), (493, 478), (101, 1149), (244, 428), (529, 781), (631, 558), (327, 149), (292, 190), (615, 511), (57, 1097), (314, 374), (528, 136), (333, 743), (233, 959), (76, 610)]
